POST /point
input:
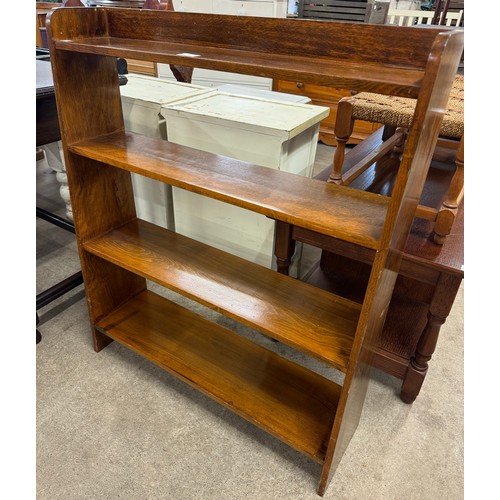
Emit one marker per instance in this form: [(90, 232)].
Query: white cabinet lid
[(274, 117), (266, 94), (155, 92)]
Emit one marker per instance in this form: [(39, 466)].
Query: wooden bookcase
[(119, 252)]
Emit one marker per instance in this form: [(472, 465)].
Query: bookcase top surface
[(377, 58)]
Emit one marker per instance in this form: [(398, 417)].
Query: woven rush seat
[(397, 111), (396, 115)]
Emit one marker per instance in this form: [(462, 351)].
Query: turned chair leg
[(448, 210), (284, 246), (400, 144), (343, 129)]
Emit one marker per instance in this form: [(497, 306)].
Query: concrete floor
[(112, 425)]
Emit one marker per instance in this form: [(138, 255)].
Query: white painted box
[(274, 133), (142, 99), (263, 93)]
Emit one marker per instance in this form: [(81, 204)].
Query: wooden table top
[(448, 257)]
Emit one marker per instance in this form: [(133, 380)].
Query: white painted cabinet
[(142, 98), (277, 134), (213, 79), (256, 8), (201, 6)]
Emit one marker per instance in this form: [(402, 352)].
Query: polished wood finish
[(42, 9), (292, 403), (181, 73), (427, 284), (220, 42), (334, 10), (354, 215), (369, 57), (299, 315)]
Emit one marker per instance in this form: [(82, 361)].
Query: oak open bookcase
[(119, 252)]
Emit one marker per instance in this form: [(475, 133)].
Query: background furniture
[(370, 11), (411, 17), (270, 132), (429, 277), (47, 131), (396, 114), (42, 8), (268, 128), (335, 10), (142, 100), (326, 96), (118, 252)]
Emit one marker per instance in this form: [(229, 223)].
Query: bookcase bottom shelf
[(287, 400)]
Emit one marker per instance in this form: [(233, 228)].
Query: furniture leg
[(343, 129), (448, 210), (38, 334), (56, 162), (399, 145), (284, 246), (439, 309)]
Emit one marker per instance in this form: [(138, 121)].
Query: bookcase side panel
[(89, 105)]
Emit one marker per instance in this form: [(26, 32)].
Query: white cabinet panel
[(201, 6), (142, 98), (277, 134)]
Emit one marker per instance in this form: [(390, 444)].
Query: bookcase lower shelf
[(274, 304), (287, 400)]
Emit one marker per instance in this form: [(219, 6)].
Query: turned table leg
[(439, 309), (284, 246), (448, 210), (55, 160)]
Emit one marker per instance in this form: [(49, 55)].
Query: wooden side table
[(429, 278), (425, 291)]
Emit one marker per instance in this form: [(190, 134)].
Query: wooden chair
[(396, 114), (403, 17)]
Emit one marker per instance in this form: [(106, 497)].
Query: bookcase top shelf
[(333, 73), (391, 64)]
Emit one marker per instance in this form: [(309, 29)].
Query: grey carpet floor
[(112, 425)]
